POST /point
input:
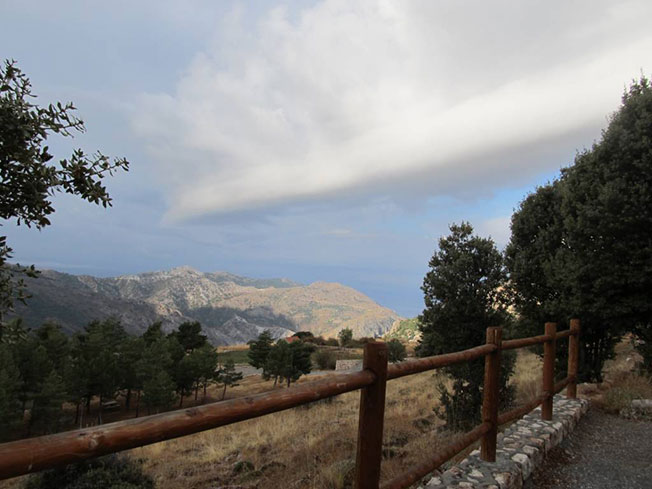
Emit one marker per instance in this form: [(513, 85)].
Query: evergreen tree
[(158, 391), (259, 349), (11, 412), (580, 246), (47, 409), (207, 366), (228, 376), (288, 361), (463, 296), (189, 336)]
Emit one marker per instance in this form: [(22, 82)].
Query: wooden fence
[(34, 454)]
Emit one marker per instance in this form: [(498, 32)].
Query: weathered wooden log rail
[(34, 454)]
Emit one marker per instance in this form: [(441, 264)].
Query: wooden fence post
[(549, 371), (573, 357), (491, 396), (372, 413)]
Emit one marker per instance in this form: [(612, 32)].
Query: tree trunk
[(128, 399), (181, 401), (77, 409), (196, 391), (224, 392), (88, 404), (205, 385), (99, 411), (137, 403)]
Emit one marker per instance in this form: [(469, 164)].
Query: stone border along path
[(521, 448)]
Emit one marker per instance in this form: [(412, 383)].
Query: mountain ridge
[(231, 308)]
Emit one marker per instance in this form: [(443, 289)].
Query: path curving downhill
[(604, 451)]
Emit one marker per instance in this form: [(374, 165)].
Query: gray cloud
[(347, 95)]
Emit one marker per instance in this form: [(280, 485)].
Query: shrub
[(113, 471), (325, 360), (395, 351), (331, 342)]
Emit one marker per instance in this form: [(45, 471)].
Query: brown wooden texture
[(563, 334), (491, 395), (561, 385), (372, 414), (34, 454), (416, 473), (31, 455), (573, 357), (521, 342), (548, 371), (411, 367)]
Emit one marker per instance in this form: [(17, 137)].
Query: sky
[(320, 141)]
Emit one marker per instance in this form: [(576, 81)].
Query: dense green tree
[(463, 293), (288, 361), (259, 349), (581, 245), (153, 333), (207, 366), (228, 376), (29, 177), (56, 344), (47, 408), (396, 351), (100, 350), (131, 352), (345, 336), (156, 360), (158, 391), (11, 411), (189, 336)]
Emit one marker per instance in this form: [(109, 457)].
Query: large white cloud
[(343, 95)]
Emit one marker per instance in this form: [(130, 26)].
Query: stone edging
[(521, 448)]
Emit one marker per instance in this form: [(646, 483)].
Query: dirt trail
[(604, 451)]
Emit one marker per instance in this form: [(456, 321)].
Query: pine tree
[(463, 293), (228, 376)]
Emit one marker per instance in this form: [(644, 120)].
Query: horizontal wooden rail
[(516, 413), (559, 386), (411, 367), (34, 454), (443, 455), (522, 342), (565, 334)]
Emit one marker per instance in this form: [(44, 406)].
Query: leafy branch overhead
[(29, 176)]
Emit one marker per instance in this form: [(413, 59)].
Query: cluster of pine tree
[(41, 370), (281, 360)]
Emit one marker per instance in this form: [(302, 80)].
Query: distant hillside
[(232, 309), (405, 329)]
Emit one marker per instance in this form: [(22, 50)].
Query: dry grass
[(314, 446), (311, 447)]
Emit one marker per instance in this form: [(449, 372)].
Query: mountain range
[(231, 309)]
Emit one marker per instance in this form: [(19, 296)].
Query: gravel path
[(604, 451)]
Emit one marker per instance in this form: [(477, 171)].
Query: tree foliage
[(396, 351), (288, 361), (29, 177), (464, 295), (228, 376), (345, 336), (581, 245)]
